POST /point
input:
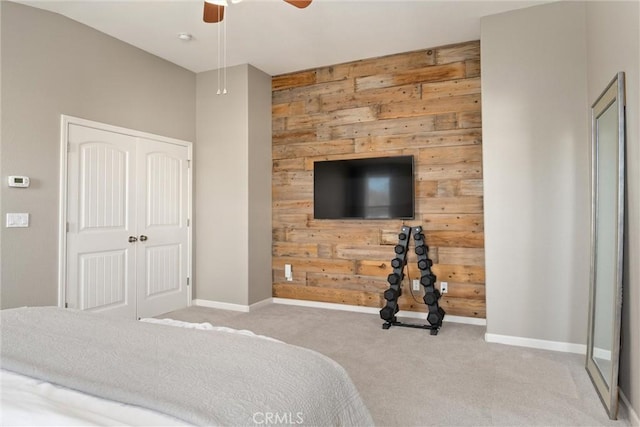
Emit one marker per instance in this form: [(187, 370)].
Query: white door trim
[(65, 121)]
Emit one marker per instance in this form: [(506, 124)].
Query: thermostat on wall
[(19, 181)]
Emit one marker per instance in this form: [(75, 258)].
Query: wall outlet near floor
[(416, 284), (287, 273), (444, 287)]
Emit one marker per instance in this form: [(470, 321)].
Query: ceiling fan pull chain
[(218, 52), (224, 57)]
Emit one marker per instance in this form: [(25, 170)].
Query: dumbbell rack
[(427, 279)]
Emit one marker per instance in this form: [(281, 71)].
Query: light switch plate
[(17, 220)]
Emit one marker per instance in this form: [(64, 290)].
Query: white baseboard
[(230, 306), (262, 303), (536, 343), (375, 310), (630, 414), (221, 305)]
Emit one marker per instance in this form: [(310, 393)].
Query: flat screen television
[(375, 188)]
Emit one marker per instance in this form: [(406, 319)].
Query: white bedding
[(323, 391), (25, 401)]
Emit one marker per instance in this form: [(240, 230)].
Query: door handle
[(133, 239), (143, 238)]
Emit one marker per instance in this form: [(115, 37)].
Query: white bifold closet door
[(127, 214)]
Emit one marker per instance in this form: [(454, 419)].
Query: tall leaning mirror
[(607, 221)]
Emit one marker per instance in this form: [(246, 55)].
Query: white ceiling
[(279, 38)]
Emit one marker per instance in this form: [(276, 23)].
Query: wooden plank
[(278, 234), (432, 73), (356, 237), (446, 121), (326, 250), (278, 124), (285, 219), (305, 93), (461, 256), (280, 165), (385, 64), (459, 273), (293, 206), (372, 97), (317, 265), (292, 192), (334, 118), (420, 107), (459, 187), (349, 282), (447, 188), (299, 250), (286, 81), (471, 187), (450, 88), (291, 177), (354, 252), (331, 295), (288, 109), (450, 155), (385, 127), (382, 268), (466, 307), (456, 239), (463, 307), (474, 291), (453, 222), (458, 52), (292, 136), (359, 225), (298, 278), (377, 268), (469, 119), (420, 140), (426, 189), (471, 170), (472, 67), (428, 205), (315, 148)]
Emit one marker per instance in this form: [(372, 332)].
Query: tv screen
[(376, 188)]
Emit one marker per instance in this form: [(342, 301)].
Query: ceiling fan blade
[(299, 3), (213, 13)]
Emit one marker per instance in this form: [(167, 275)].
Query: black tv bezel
[(361, 218)]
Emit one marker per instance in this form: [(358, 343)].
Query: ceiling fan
[(214, 9)]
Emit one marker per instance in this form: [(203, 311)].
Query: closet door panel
[(162, 226)]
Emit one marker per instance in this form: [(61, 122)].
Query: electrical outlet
[(416, 284), (444, 287), (288, 273)]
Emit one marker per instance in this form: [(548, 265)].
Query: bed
[(102, 371)]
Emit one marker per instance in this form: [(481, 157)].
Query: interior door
[(101, 217), (127, 240), (162, 248)]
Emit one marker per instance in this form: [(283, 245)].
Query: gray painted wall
[(536, 172), (542, 68), (613, 44), (260, 167), (52, 65), (233, 187)]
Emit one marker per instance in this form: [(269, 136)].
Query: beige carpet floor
[(408, 377)]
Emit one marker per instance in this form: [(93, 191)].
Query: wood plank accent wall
[(425, 103)]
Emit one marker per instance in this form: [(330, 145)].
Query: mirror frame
[(607, 387)]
